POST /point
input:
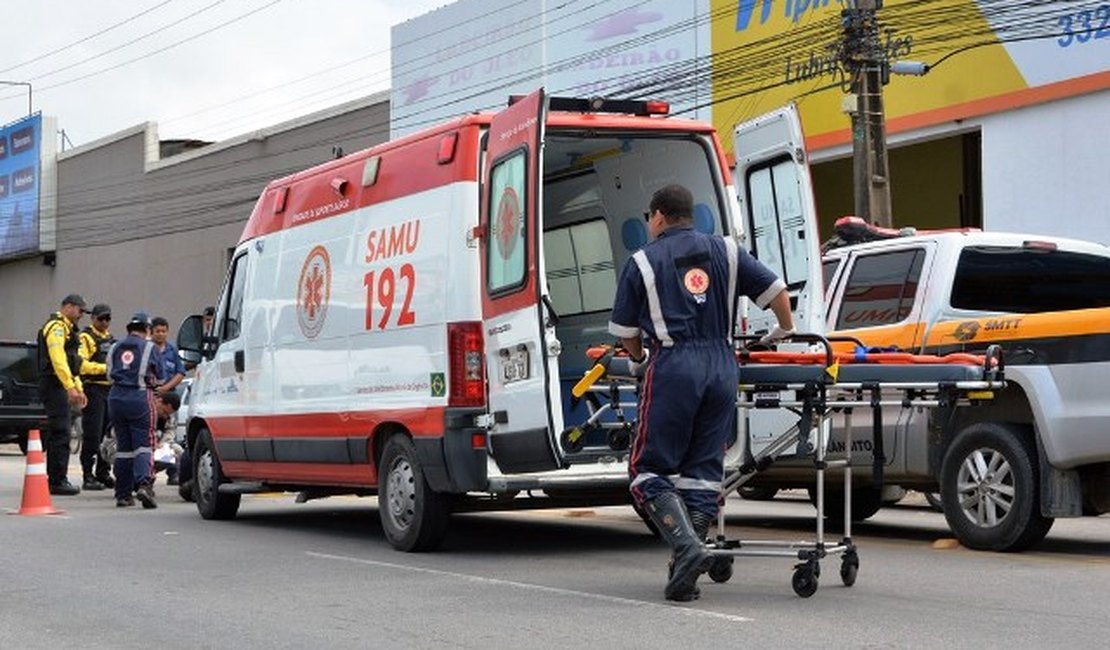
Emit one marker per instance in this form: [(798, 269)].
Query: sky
[(201, 69)]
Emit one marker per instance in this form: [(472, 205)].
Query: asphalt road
[(320, 575)]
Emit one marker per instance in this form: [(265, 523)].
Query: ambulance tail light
[(466, 362)]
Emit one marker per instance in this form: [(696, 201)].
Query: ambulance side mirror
[(192, 341)]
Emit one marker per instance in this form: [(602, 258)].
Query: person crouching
[(135, 369)]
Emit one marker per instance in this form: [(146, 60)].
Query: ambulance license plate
[(514, 365)]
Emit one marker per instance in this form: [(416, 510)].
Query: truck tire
[(757, 492), (207, 477), (991, 490), (866, 501), (414, 517)]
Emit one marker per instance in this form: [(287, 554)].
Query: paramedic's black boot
[(721, 564), (701, 522), (691, 558)]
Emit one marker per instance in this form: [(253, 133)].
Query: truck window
[(234, 308), (505, 259), (580, 270), (881, 289), (778, 228), (1026, 280), (828, 270)]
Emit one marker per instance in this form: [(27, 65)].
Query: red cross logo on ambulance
[(697, 283), (508, 221), (314, 292)]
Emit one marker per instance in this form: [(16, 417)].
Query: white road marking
[(685, 611)]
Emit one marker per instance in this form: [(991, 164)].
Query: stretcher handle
[(993, 365), (800, 337)]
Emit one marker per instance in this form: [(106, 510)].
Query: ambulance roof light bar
[(603, 105)]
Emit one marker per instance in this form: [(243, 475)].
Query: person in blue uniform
[(135, 368), (680, 293)]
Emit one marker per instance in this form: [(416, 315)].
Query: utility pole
[(864, 60)]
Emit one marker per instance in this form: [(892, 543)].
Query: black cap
[(74, 299), (139, 321), (100, 309), (210, 311)]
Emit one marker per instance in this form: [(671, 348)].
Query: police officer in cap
[(60, 388), (680, 292), (134, 368), (96, 340)]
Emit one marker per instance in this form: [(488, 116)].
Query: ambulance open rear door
[(518, 321), (776, 204)]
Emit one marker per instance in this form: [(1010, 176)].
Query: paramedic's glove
[(637, 368), (775, 335)]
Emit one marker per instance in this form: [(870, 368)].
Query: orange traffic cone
[(36, 491)]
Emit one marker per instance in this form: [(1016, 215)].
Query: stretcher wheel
[(849, 568), (804, 581), (573, 439), (619, 439), (720, 570)]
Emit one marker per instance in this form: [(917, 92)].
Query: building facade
[(138, 230)]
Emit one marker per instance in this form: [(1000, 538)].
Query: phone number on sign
[(1084, 26)]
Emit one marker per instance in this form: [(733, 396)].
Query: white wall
[(1046, 169)]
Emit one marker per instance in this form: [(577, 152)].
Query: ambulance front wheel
[(414, 517), (207, 478)]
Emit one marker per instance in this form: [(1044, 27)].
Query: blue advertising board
[(20, 144)]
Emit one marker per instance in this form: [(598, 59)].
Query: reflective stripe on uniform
[(687, 483), (144, 361), (655, 310), (733, 261), (764, 298)]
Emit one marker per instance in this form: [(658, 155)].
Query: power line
[(88, 38)]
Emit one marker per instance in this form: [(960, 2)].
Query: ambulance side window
[(233, 310), (507, 242)]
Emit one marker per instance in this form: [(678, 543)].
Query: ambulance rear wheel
[(207, 478), (414, 517)]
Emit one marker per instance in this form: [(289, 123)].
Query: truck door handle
[(240, 361)]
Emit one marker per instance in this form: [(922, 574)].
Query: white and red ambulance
[(408, 320)]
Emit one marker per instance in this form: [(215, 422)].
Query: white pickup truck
[(1041, 448)]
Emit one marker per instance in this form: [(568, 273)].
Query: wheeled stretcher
[(815, 385)]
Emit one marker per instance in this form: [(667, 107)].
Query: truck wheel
[(414, 517), (757, 492), (866, 501), (990, 488), (934, 501), (207, 477)]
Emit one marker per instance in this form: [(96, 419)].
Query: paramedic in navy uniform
[(135, 368), (680, 292)]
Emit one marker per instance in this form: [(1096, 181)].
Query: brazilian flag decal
[(439, 384)]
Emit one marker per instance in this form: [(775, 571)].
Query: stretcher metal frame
[(819, 391)]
